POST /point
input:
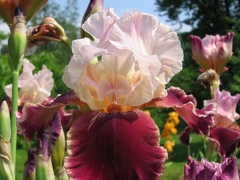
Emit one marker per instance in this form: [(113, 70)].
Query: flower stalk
[(211, 146), (16, 44), (211, 150), (13, 115)]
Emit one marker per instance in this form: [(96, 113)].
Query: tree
[(206, 17)]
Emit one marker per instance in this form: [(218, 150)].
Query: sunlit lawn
[(176, 160), (174, 165)]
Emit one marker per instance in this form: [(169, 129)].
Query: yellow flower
[(169, 145), (165, 133), (147, 112), (174, 117), (174, 130), (169, 125)]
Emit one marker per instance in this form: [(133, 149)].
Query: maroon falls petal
[(227, 140), (199, 120), (117, 146), (37, 117)]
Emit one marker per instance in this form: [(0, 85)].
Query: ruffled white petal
[(142, 34), (138, 57)]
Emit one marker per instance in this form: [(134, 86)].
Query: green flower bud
[(61, 174), (48, 30), (58, 151), (58, 157), (17, 42), (6, 165), (5, 123), (44, 168)]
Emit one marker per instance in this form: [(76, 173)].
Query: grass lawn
[(21, 159)]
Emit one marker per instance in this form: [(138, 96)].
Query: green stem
[(67, 44), (211, 146), (13, 117), (188, 150), (211, 149)]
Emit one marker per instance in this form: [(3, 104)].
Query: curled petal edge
[(199, 120)]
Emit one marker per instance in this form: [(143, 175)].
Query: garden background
[(205, 17)]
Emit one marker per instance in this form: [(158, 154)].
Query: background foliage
[(206, 17)]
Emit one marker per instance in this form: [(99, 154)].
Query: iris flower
[(228, 169), (116, 139), (34, 88), (212, 52), (225, 131)]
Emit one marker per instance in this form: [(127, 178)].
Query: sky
[(121, 6)]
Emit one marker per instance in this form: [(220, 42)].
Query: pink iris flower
[(124, 69), (212, 52), (226, 132)]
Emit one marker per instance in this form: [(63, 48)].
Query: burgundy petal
[(185, 105), (36, 117), (228, 139), (115, 146), (185, 135)]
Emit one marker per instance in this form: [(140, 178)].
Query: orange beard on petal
[(113, 108)]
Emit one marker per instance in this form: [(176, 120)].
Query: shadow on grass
[(180, 151)]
